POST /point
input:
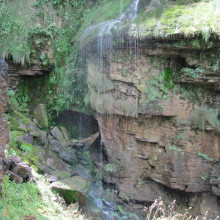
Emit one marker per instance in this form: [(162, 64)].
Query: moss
[(16, 119), (61, 174), (184, 17), (168, 76), (26, 151), (16, 134), (69, 196), (19, 116)]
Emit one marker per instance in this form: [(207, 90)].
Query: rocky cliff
[(153, 84), (150, 106), (4, 132)]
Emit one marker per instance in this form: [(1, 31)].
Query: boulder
[(19, 122), (62, 150), (50, 161), (65, 133), (66, 155), (18, 170), (73, 189), (58, 134), (40, 115), (14, 177)]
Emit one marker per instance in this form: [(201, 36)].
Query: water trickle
[(104, 31)]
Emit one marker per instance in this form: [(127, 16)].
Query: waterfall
[(103, 31)]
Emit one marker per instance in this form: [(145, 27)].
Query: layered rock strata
[(145, 103)]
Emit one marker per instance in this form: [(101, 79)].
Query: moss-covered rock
[(73, 189), (162, 18)]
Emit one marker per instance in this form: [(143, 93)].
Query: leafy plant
[(205, 177), (124, 72), (173, 148), (156, 88), (140, 182), (111, 167), (204, 156), (194, 73)]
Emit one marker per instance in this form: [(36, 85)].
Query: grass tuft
[(202, 117)]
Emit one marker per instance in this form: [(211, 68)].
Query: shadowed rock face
[(3, 119), (157, 151)]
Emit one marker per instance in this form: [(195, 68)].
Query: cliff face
[(149, 108), (3, 118), (156, 101)]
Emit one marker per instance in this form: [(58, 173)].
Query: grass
[(201, 117), (32, 200), (158, 211)]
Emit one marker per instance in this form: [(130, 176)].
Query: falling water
[(104, 29), (103, 33)]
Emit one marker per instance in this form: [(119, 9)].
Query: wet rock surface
[(151, 141)]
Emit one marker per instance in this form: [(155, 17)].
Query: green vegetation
[(140, 182), (111, 167), (105, 10), (204, 157), (19, 99), (164, 18), (205, 177), (90, 164), (201, 117), (158, 87), (124, 72), (191, 72), (45, 33), (168, 76), (20, 200), (173, 148), (32, 200), (27, 152), (178, 137)]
